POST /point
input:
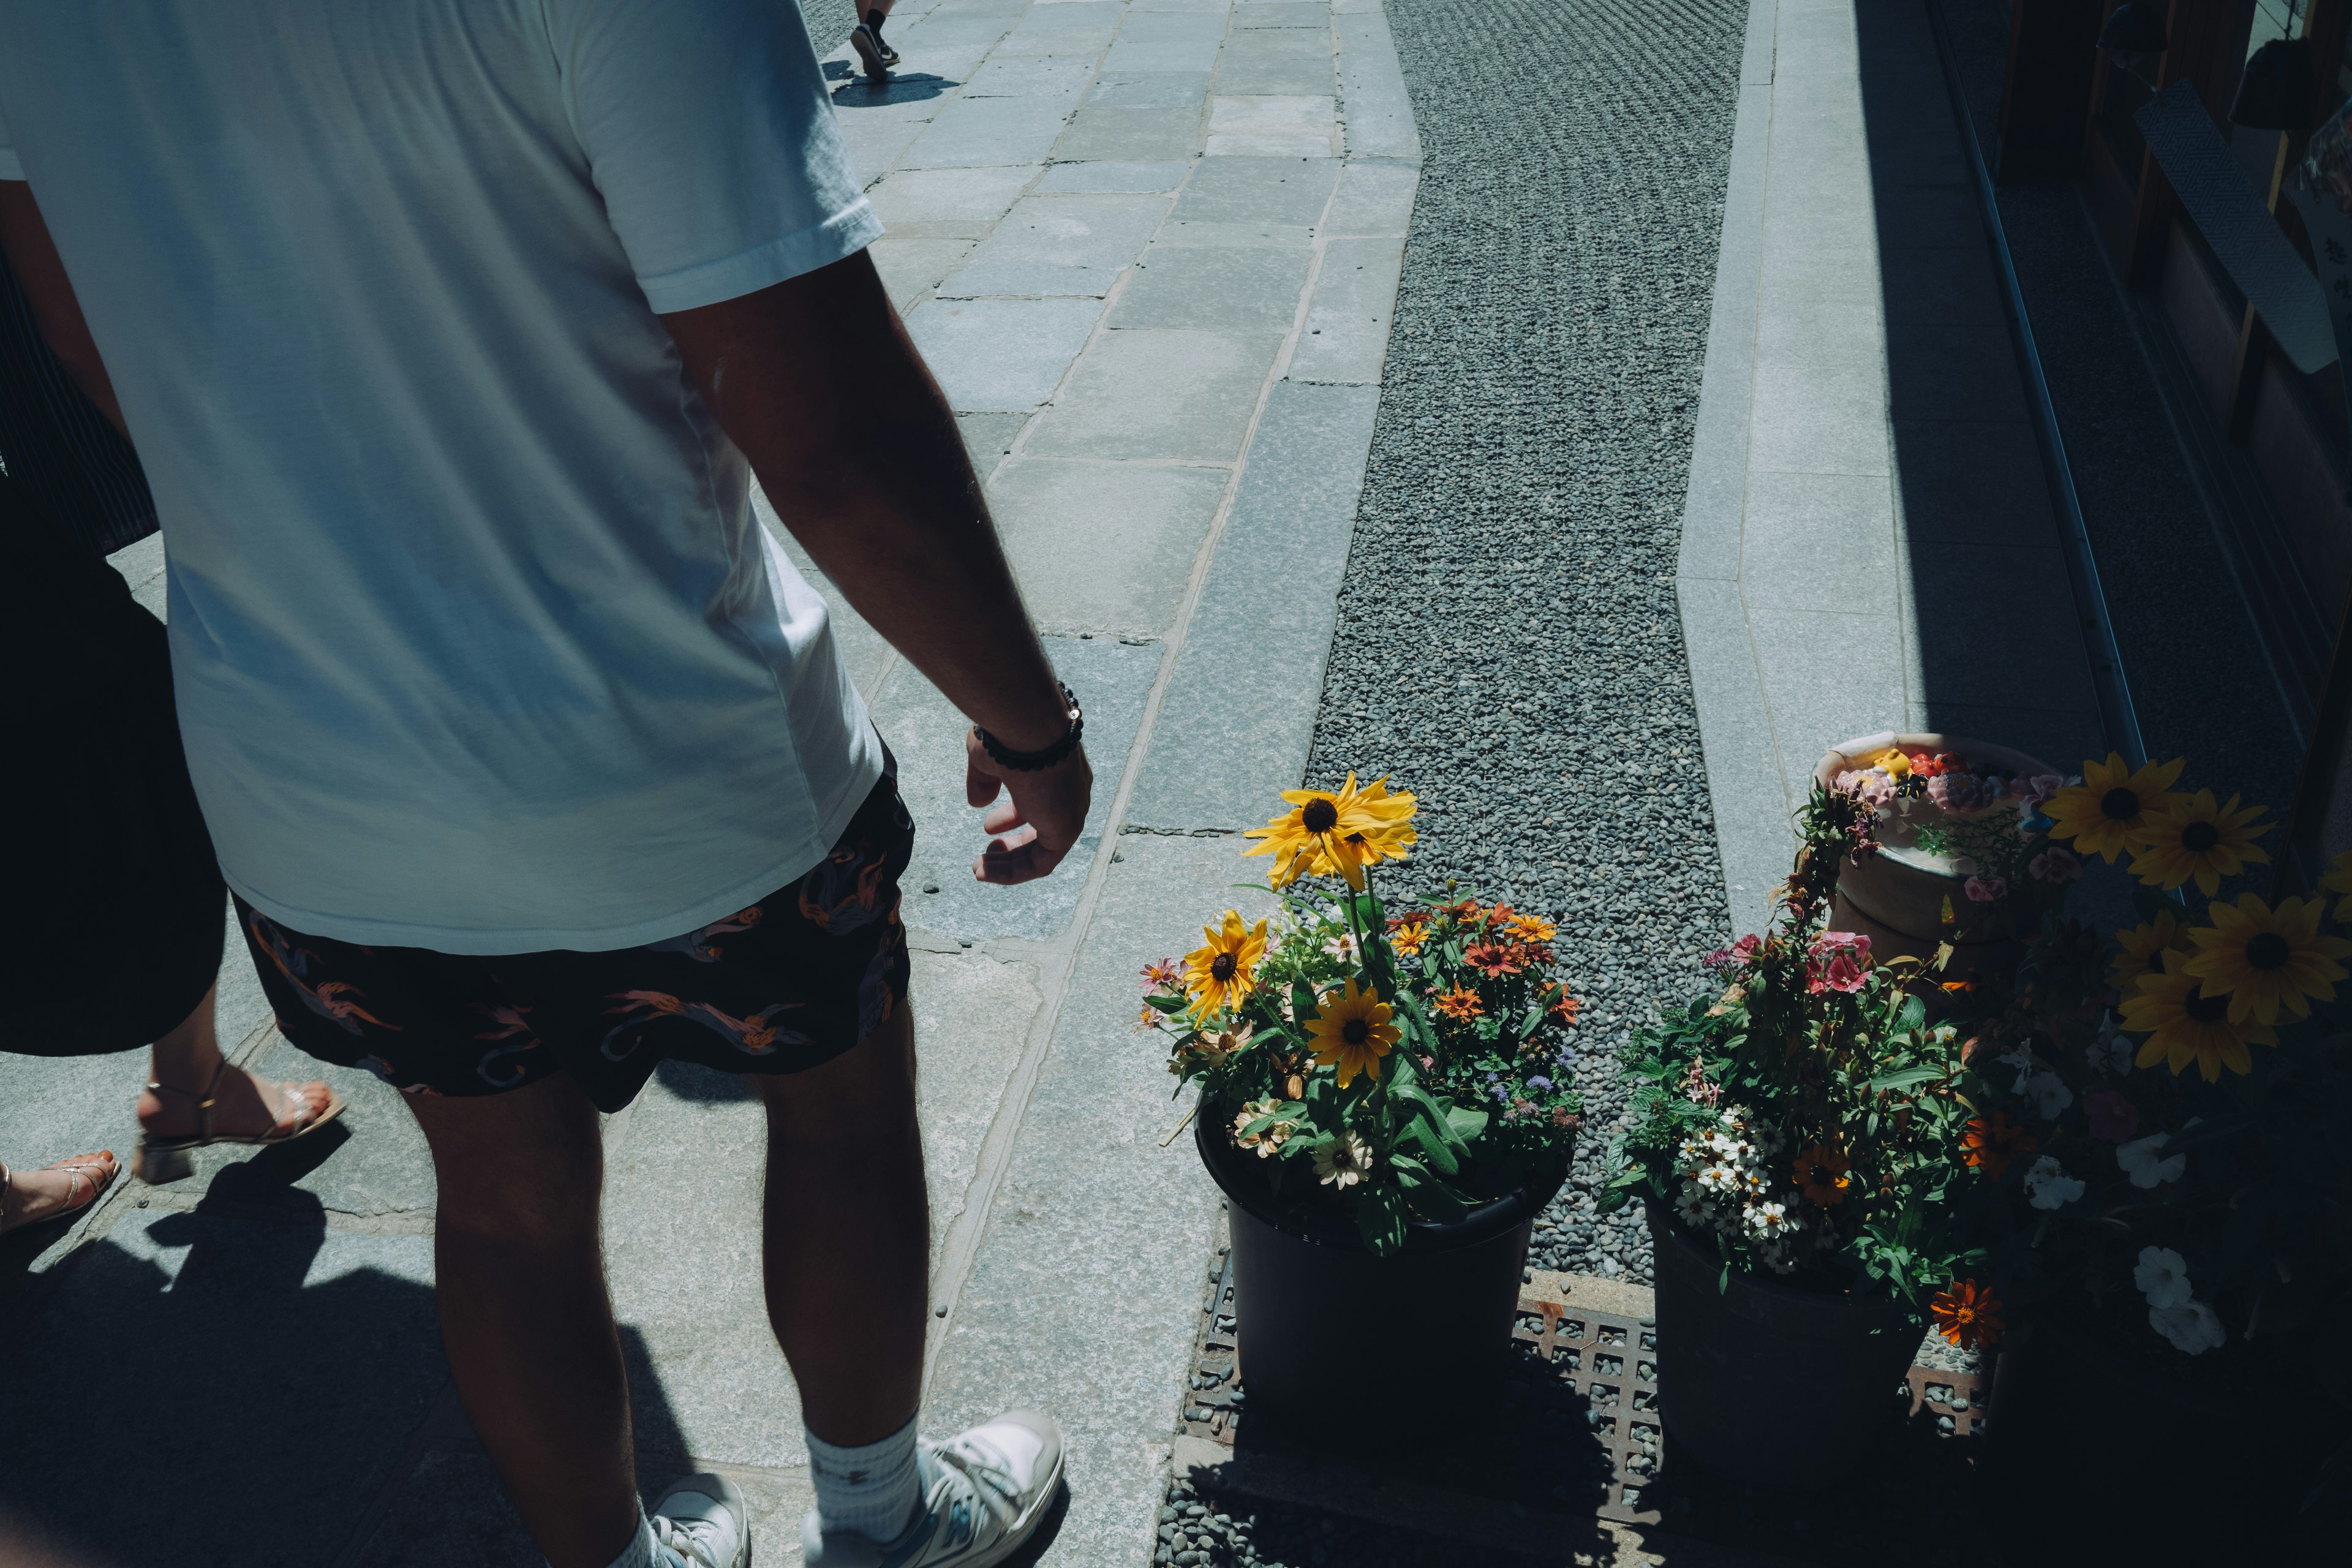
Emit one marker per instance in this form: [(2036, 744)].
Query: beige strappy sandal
[(95, 1172), (163, 1160)]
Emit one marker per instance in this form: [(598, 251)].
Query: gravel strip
[(1509, 643)]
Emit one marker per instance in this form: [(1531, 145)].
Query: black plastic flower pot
[(1336, 1343), (1767, 1385)]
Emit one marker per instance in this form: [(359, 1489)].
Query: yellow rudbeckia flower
[(1352, 1032), (2184, 1025), (2194, 838), (1328, 834), (2113, 808), (2267, 961), (1224, 969), (2144, 947)]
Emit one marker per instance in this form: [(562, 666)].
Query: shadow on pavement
[(860, 93)]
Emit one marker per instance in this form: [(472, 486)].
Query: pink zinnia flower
[(1988, 889), (1840, 973), (2055, 865), (2114, 1118), (1831, 941)]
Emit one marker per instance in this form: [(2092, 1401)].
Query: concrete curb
[(1744, 774)]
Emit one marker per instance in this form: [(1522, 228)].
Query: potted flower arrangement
[(1955, 866), (1386, 1099), (2175, 1231), (1803, 1141)]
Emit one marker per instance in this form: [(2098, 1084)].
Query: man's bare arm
[(817, 382), (33, 257)]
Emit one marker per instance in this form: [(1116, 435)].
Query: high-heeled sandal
[(96, 1172), (163, 1160)]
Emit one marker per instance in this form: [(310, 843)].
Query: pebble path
[(1509, 643)]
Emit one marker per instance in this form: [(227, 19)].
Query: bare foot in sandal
[(246, 1108), (28, 1197)]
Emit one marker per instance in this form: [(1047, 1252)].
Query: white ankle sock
[(872, 1489), (641, 1552)]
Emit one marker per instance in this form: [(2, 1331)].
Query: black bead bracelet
[(1033, 761)]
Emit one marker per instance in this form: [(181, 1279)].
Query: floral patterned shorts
[(786, 984)]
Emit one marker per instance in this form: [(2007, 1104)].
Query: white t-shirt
[(477, 645)]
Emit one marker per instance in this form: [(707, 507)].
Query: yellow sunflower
[(1326, 834), (2111, 810), (1225, 969), (2183, 1025), (2193, 838), (2338, 881), (1352, 1032), (2144, 947), (2266, 960)]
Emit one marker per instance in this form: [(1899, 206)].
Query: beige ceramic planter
[(1898, 896)]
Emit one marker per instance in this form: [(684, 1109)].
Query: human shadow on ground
[(243, 1384), (862, 92)]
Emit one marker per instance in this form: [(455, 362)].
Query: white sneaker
[(704, 1520), (983, 1492)]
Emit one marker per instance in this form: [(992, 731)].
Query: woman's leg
[(186, 1063)]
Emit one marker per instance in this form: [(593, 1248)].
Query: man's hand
[(1048, 805)]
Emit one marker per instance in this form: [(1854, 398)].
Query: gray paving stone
[(1800, 324), (174, 1348), (987, 437), (1111, 678), (1379, 114), (1819, 419), (989, 133), (911, 265), (1001, 355), (1282, 14), (1059, 245), (1107, 176), (1082, 1297), (1220, 6), (1279, 191), (973, 1018), (1284, 236), (1349, 313), (1372, 199), (1033, 76), (1935, 373), (1131, 134), (1995, 623), (1818, 541), (1242, 68), (1258, 638), (1176, 394), (1237, 286), (1105, 548), (1745, 782), (1087, 42), (1150, 90), (1279, 44), (1970, 482), (874, 145), (1173, 55), (974, 196), (1171, 26), (1953, 285), (1829, 678)]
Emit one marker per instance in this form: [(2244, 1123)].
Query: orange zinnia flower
[(1566, 1007), (1494, 959), (1406, 933), (1461, 1004), (1968, 1314), (1991, 1143)]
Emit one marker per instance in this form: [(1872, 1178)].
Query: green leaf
[(1381, 1220), (1466, 1122), (1165, 1004), (1905, 1078)]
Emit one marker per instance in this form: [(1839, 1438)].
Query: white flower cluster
[(2173, 1310), (1728, 1188)]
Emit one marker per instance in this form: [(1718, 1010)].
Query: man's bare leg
[(847, 1235), (525, 1316)]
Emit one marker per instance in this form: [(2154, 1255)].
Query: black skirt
[(111, 905)]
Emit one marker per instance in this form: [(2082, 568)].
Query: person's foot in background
[(866, 38)]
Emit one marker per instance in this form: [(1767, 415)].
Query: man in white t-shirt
[(450, 336)]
